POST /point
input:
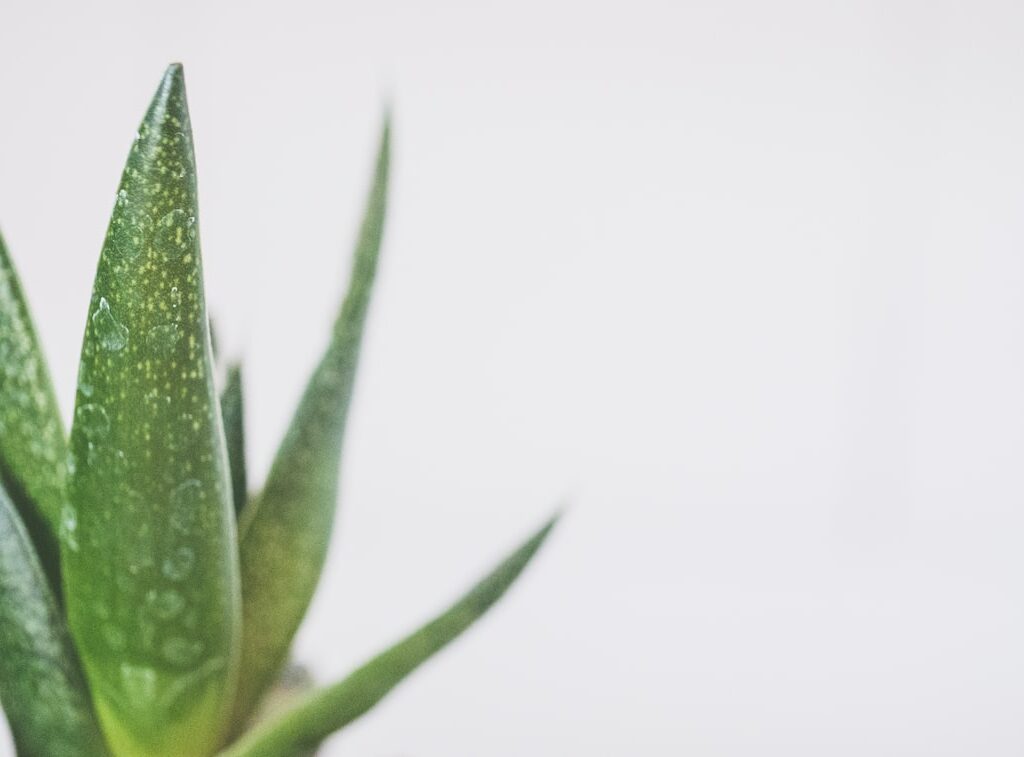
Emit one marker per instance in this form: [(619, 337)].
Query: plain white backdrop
[(741, 281)]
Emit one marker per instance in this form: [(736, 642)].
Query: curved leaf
[(286, 529), (333, 708), (151, 571), (41, 686), (33, 449), (232, 408)]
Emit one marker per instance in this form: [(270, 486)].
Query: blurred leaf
[(214, 341), (331, 709), (150, 561), (294, 683), (232, 408), (286, 529), (33, 449), (41, 686)]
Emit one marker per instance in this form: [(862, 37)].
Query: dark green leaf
[(33, 450), (215, 342), (285, 530), (232, 408), (41, 686), (331, 709), (151, 572)]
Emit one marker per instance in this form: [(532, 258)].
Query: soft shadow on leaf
[(41, 686), (232, 408), (33, 448)]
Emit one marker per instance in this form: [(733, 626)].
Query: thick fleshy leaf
[(331, 709), (33, 449), (285, 530), (232, 408), (150, 566), (41, 687)]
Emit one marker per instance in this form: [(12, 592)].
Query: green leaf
[(286, 529), (232, 408), (331, 709), (151, 572), (41, 686), (33, 450)]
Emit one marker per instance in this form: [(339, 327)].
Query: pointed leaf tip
[(285, 530), (151, 573), (174, 77), (330, 709)]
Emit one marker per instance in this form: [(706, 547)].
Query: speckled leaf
[(232, 408), (151, 573), (333, 708), (41, 686), (33, 450), (285, 530)]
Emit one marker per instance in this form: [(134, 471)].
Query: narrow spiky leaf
[(285, 530), (41, 687), (33, 449), (151, 571), (331, 709), (232, 408)]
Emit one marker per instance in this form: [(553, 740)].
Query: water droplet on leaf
[(178, 565), (112, 335), (162, 339), (172, 238), (69, 527), (138, 682), (178, 651), (166, 604), (185, 503)]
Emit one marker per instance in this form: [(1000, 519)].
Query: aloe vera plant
[(148, 603)]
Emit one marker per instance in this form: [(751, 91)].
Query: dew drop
[(178, 565), (69, 527), (165, 604), (93, 420), (185, 499), (84, 383), (162, 339), (175, 297), (138, 682), (113, 336), (129, 232), (179, 651), (172, 237)]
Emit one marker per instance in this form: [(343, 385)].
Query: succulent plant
[(147, 602)]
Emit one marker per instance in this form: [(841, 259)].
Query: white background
[(741, 281)]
